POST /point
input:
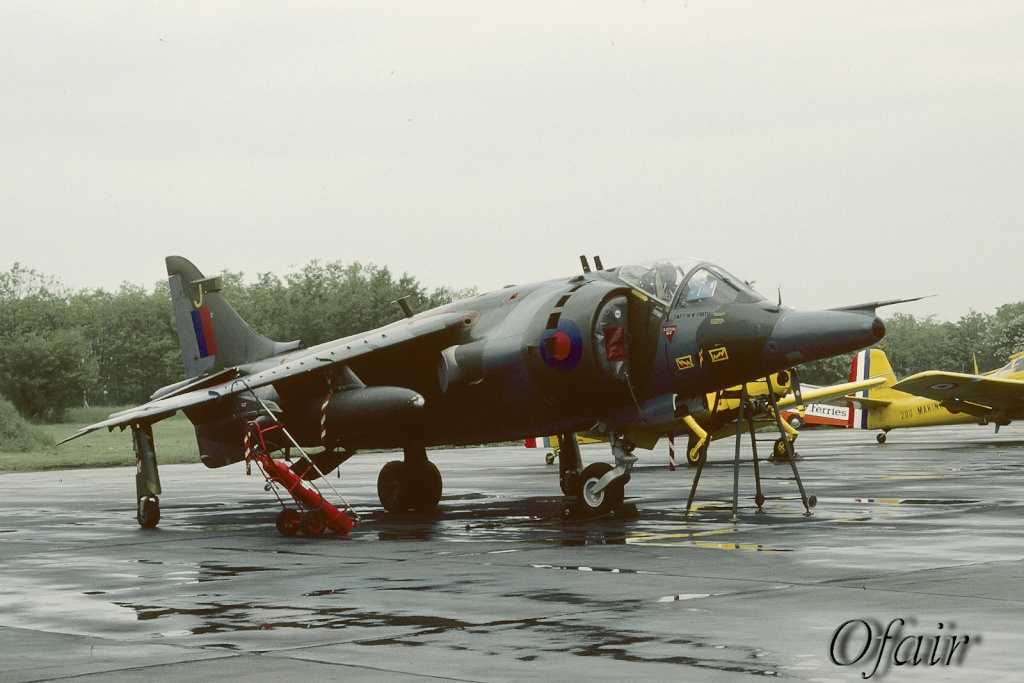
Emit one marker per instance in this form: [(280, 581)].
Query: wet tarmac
[(498, 586)]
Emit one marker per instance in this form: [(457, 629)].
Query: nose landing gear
[(598, 488)]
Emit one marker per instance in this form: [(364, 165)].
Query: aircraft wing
[(865, 402), (981, 395), (829, 394), (314, 360)]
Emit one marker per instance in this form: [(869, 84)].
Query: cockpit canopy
[(686, 282), (1015, 366)]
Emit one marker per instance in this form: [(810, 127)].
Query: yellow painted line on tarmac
[(644, 538), (739, 546)]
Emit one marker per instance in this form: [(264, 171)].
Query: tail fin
[(868, 364), (212, 336)]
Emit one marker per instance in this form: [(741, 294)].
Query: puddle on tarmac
[(540, 636), (201, 572), (242, 617), (937, 502), (610, 570), (913, 501)]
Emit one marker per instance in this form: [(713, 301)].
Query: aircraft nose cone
[(802, 336)]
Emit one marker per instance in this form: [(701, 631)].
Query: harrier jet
[(593, 352)]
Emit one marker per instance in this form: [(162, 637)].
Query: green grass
[(174, 439)]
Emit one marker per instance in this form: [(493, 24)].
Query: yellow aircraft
[(719, 419), (934, 397)]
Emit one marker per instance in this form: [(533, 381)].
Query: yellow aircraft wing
[(829, 394), (647, 435), (865, 402), (981, 395)]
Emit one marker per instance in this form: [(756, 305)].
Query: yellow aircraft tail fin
[(868, 364)]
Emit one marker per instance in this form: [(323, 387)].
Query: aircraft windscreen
[(712, 285), (703, 282), (660, 279)]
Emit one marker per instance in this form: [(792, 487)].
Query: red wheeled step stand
[(317, 514)]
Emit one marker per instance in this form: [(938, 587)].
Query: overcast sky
[(845, 152)]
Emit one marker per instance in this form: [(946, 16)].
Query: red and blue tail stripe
[(203, 324)]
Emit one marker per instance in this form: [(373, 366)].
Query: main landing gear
[(599, 487), (410, 484)]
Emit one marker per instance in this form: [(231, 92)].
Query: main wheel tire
[(603, 501), (288, 522), (779, 450), (392, 487), (423, 486), (149, 512), (313, 524)]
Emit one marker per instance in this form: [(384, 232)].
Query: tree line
[(61, 349)]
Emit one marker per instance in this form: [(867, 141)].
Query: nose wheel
[(594, 501), (599, 487)]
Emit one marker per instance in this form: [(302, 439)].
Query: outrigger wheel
[(149, 512)]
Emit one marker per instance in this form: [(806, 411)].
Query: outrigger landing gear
[(598, 487), (147, 478), (410, 484)]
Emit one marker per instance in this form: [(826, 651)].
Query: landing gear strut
[(598, 487), (410, 484), (147, 478)]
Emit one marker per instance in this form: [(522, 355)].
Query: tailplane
[(868, 364), (212, 336)]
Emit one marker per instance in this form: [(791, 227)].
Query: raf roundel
[(562, 347)]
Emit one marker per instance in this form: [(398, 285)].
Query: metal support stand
[(736, 460), (759, 498), (808, 502)]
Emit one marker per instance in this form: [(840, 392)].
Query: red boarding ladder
[(315, 513)]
